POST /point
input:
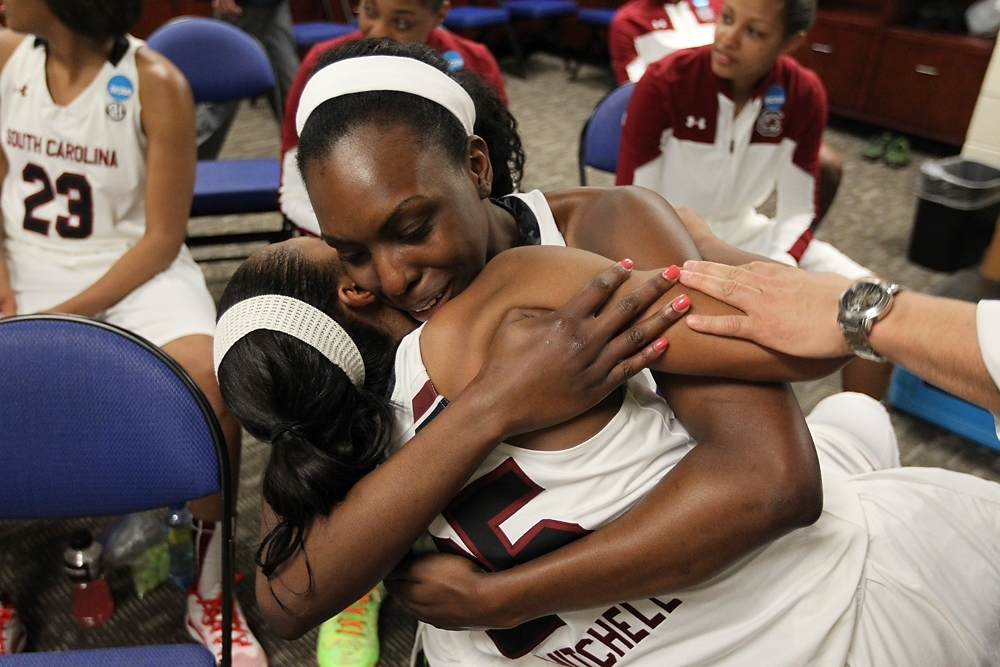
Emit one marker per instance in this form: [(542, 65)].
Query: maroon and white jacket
[(683, 139)]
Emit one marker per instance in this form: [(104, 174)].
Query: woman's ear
[(353, 296), (481, 170), (793, 42), (441, 13)]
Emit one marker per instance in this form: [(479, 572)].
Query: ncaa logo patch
[(454, 60), (116, 111), (704, 11), (120, 88), (774, 97)]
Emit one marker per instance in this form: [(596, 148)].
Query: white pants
[(932, 574), (172, 304)]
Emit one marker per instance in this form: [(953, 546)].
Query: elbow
[(280, 619), (807, 503), (797, 497)]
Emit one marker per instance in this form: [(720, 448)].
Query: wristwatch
[(863, 304)]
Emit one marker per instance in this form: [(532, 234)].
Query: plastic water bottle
[(180, 544), (92, 601)]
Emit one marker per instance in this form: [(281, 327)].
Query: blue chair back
[(95, 420), (224, 64), (602, 133), (221, 62), (178, 655)]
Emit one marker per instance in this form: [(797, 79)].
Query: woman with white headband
[(901, 567)]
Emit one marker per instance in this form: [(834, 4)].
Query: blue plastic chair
[(548, 12), (97, 421), (476, 18), (309, 33), (602, 132), (598, 17), (179, 655), (598, 20), (540, 9), (224, 64)]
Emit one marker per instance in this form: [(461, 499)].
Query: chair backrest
[(221, 62), (96, 421), (602, 133)]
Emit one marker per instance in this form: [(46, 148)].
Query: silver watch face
[(865, 298)]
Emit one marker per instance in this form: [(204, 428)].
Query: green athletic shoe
[(877, 145), (897, 153), (350, 639)]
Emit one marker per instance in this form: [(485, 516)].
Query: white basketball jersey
[(76, 173), (791, 603)]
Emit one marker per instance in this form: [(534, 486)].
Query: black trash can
[(957, 210)]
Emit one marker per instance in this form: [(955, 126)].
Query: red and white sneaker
[(13, 636), (204, 624)]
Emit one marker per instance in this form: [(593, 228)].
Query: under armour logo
[(661, 24), (699, 122), (23, 90)]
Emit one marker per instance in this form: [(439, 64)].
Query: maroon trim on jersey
[(799, 247), (423, 400)]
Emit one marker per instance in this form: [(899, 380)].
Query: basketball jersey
[(793, 602), (75, 186)]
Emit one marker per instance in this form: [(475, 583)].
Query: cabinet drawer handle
[(926, 69), (821, 48)]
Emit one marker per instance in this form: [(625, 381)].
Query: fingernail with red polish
[(627, 263), (681, 303), (672, 273), (660, 344)]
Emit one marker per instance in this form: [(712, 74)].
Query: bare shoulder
[(159, 79), (599, 219), (9, 40), (167, 103)]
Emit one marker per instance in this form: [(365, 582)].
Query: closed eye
[(416, 233)]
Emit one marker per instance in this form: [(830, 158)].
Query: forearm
[(376, 524), (714, 249), (936, 339), (546, 277), (8, 303), (138, 265), (733, 493)]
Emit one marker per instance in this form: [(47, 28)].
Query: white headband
[(312, 326), (405, 75)]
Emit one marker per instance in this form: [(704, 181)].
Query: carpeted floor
[(870, 220)]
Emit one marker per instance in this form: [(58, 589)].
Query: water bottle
[(92, 601), (180, 543)]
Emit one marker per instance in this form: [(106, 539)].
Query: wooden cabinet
[(840, 53), (877, 69)]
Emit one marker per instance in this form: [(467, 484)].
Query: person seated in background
[(404, 21), (897, 565), (663, 26), (717, 129), (270, 23), (644, 31), (98, 175)]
